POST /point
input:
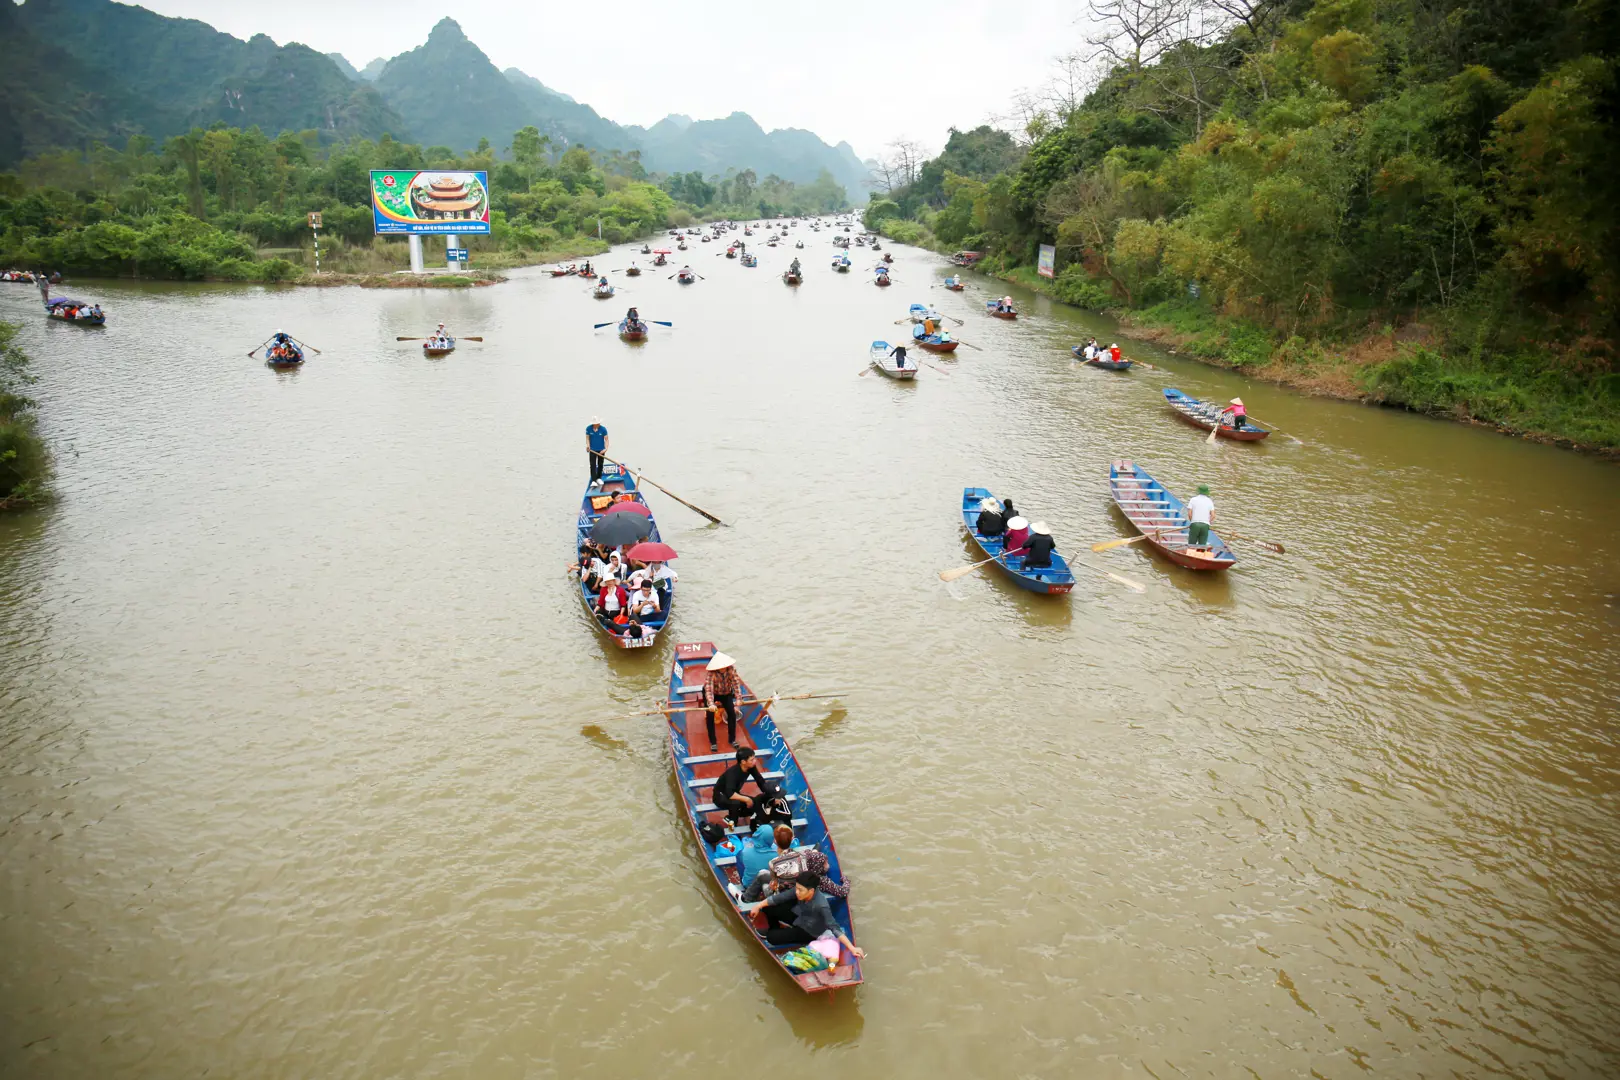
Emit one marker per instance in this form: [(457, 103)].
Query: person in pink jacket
[(1017, 533)]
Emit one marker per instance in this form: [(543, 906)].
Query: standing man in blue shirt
[(596, 444)]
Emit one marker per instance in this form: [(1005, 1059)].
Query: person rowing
[(1038, 547), (793, 268), (899, 354), (1235, 414)]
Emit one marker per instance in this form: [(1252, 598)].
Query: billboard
[(1047, 266), (429, 203)]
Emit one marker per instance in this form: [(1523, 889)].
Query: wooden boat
[(731, 253), (841, 265), (1106, 365), (76, 312), (953, 283), (634, 271), (284, 357), (750, 261), (990, 309), (560, 272), (790, 278), (681, 246), (429, 349), (17, 277), (882, 278), (646, 249), (888, 365), (685, 277), (629, 333), (616, 481), (695, 774), (660, 260), (603, 291), (1052, 580), (1202, 414), (1163, 517), (588, 274), (936, 342)]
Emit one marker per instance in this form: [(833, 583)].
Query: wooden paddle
[(643, 479), (696, 706), (964, 571), (1214, 431), (303, 345), (1278, 548), (1136, 586), (1278, 430), (1109, 545), (261, 345)]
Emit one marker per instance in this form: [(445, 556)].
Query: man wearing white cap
[(720, 691), (596, 444)]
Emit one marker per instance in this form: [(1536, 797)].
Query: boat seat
[(707, 759), (708, 781), (694, 689), (709, 807)]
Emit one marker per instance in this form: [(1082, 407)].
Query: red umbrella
[(651, 551), (629, 506), (662, 251)]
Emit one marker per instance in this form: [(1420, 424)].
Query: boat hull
[(616, 479), (1154, 511), (755, 728), (1054, 580), (937, 346), (1198, 414)]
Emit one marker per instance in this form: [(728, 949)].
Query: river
[(309, 766)]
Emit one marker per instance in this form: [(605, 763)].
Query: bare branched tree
[(1254, 14), (1134, 33)]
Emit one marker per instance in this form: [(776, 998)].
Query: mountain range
[(82, 70)]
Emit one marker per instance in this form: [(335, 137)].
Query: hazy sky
[(861, 72)]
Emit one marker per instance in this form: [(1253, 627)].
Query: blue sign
[(456, 254)]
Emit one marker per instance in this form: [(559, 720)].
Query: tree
[(529, 151), (1133, 33)]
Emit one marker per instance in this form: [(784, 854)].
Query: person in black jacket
[(991, 521), (1039, 547), (728, 790)]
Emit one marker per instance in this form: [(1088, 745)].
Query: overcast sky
[(860, 72)]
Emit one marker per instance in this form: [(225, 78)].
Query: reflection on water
[(312, 763)]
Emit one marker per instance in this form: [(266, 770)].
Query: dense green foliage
[(79, 70), (231, 204), (24, 463), (1323, 169)]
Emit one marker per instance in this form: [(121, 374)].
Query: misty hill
[(79, 70), (82, 69)]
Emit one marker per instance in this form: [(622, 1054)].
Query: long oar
[(1109, 545), (1135, 586), (464, 337), (643, 479), (1278, 548), (1214, 431), (1278, 430), (261, 345), (964, 571), (305, 345), (740, 701)]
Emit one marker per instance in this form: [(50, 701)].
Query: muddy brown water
[(308, 765)]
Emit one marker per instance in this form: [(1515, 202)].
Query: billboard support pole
[(416, 253), (451, 242)]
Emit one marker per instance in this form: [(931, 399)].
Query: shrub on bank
[(25, 464)]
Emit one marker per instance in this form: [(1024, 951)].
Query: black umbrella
[(615, 530)]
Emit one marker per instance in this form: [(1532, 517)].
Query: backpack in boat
[(787, 866), (773, 812), (712, 834)]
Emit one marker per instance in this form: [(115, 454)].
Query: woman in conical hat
[(720, 692)]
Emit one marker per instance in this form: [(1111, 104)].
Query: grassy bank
[(1426, 367), (25, 464)]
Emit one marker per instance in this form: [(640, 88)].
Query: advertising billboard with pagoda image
[(435, 201)]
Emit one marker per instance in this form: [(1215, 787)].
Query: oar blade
[(958, 572), (1109, 545)]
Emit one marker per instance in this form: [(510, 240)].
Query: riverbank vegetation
[(24, 462), (1399, 200), (232, 205)]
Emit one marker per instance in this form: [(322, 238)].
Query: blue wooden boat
[(750, 260), (1106, 365), (73, 311), (1202, 414), (921, 312), (284, 357), (1053, 580), (616, 480), (1149, 506), (695, 774)]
